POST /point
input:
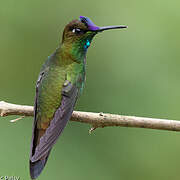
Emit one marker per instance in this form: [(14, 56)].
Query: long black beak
[(110, 27), (92, 27)]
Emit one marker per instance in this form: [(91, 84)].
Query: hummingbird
[(60, 83)]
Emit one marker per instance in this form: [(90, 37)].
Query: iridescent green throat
[(77, 49)]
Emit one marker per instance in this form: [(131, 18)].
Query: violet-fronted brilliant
[(60, 83)]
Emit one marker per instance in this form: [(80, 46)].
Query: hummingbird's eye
[(77, 31)]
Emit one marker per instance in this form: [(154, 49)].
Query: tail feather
[(37, 166)]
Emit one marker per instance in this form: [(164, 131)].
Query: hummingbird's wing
[(40, 148)]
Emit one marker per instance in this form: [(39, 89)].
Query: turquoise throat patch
[(87, 44)]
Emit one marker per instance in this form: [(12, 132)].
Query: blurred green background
[(131, 72)]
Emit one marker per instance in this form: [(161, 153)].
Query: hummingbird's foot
[(101, 114)]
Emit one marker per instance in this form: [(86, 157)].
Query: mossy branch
[(97, 120)]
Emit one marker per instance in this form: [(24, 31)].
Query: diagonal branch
[(98, 119)]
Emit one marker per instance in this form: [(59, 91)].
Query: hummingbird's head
[(82, 31)]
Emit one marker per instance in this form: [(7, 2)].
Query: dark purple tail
[(37, 167)]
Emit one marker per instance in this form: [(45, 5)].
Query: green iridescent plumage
[(60, 83)]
